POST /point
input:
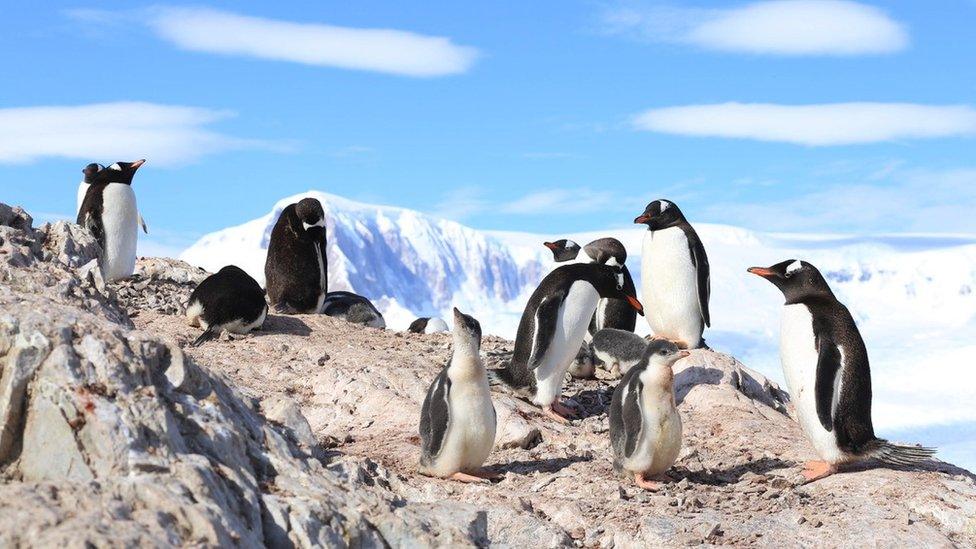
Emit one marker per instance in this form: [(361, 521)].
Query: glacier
[(913, 295)]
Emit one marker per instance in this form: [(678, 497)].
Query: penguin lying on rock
[(645, 428), (619, 350), (427, 325), (826, 367), (227, 300), (457, 421), (353, 308)]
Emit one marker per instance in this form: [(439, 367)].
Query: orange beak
[(761, 271), (683, 354), (643, 218), (636, 304), (137, 163), (550, 245)]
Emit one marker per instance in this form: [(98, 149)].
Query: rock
[(286, 412)]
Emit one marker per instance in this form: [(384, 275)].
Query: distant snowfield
[(913, 296)]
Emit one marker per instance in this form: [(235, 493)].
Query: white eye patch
[(571, 244), (613, 262), (115, 167), (665, 205), (320, 223), (794, 267)]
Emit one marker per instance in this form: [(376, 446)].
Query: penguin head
[(660, 214), (661, 353), (90, 171), (607, 251), (563, 250), (310, 213), (610, 283), (797, 279), (467, 332), (119, 172)]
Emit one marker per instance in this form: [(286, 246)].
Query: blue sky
[(816, 115)]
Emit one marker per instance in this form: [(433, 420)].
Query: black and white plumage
[(227, 300), (619, 350), (645, 428), (296, 270), (353, 308), (89, 173), (675, 275), (457, 420), (563, 250), (110, 214), (826, 366), (427, 325), (552, 328)]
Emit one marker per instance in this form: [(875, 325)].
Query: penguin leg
[(559, 412), (464, 477), (486, 474), (816, 470), (646, 483)]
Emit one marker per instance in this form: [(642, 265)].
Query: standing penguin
[(296, 271), (457, 420), (645, 428), (826, 367), (552, 328), (675, 281), (110, 213), (89, 172), (228, 300)]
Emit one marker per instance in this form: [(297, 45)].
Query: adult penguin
[(552, 328), (296, 270), (826, 367), (110, 214), (675, 280), (88, 178)]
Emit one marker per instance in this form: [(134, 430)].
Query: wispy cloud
[(352, 151), (825, 124), (781, 27), (558, 201), (226, 33), (461, 203), (166, 134)]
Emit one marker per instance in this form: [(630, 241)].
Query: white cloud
[(825, 124), (781, 27), (558, 201), (165, 134), (382, 50)]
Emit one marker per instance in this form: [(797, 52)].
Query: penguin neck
[(466, 361), (659, 377)]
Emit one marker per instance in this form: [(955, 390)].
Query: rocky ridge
[(304, 433)]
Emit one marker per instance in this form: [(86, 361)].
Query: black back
[(292, 268), (353, 307), (90, 213), (229, 294), (419, 325), (435, 417), (617, 313)]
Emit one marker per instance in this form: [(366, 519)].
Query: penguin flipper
[(207, 335), (435, 416), (700, 260), (631, 414), (95, 227), (828, 364), (143, 223), (546, 319)]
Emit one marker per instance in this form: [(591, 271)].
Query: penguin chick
[(457, 420), (825, 363), (563, 250), (645, 428), (619, 350), (227, 300)]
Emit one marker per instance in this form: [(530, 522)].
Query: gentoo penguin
[(563, 250), (89, 172), (110, 213), (297, 268), (826, 367), (227, 300), (457, 421), (610, 313), (352, 308), (619, 350), (552, 328), (645, 428), (427, 325), (675, 282)]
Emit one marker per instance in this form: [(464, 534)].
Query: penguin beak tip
[(761, 271)]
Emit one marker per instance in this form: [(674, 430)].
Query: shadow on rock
[(733, 474), (280, 324), (687, 379), (593, 402), (526, 467)]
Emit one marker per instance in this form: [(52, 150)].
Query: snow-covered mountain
[(913, 295)]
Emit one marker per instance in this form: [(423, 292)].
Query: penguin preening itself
[(296, 270), (675, 279), (227, 300), (353, 308), (552, 328), (110, 214), (89, 172), (457, 421), (427, 325), (826, 367), (645, 427), (610, 313), (619, 350)]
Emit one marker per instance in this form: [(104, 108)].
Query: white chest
[(661, 429), (571, 326), (120, 221), (669, 285), (471, 433)]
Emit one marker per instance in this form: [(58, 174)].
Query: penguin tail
[(207, 335), (898, 455)]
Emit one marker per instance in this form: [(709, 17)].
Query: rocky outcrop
[(304, 434)]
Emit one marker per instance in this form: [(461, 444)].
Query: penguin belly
[(120, 220), (571, 327), (798, 353), (669, 286), (471, 433), (323, 291), (82, 191), (660, 440)]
